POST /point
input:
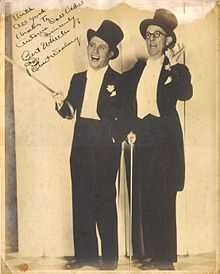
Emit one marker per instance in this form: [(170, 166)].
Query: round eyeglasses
[(154, 35)]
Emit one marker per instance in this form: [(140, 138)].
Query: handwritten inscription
[(178, 54), (19, 15), (41, 35), (34, 62)]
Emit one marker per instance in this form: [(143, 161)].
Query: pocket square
[(169, 80)]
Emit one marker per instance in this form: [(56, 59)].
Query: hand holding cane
[(131, 140), (59, 99)]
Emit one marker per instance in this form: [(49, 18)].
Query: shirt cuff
[(65, 109)]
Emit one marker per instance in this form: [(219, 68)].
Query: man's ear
[(111, 54), (169, 40)]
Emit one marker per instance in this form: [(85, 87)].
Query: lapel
[(80, 92), (138, 70), (164, 73), (103, 93), (105, 82)]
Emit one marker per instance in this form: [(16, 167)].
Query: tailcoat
[(94, 163), (159, 165)]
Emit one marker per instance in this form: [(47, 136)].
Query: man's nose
[(95, 50), (152, 37)]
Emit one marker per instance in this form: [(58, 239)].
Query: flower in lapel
[(111, 90), (167, 67)]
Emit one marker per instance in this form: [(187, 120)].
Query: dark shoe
[(76, 264), (147, 266), (108, 266), (165, 266), (138, 260), (73, 265), (146, 260)]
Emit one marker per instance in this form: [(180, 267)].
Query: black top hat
[(110, 32), (164, 19)]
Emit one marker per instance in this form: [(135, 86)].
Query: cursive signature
[(33, 64)]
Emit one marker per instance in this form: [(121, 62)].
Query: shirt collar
[(96, 73), (158, 61)]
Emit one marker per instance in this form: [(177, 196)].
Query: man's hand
[(176, 55), (58, 98), (131, 138)]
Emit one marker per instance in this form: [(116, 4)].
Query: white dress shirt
[(147, 88), (90, 100)]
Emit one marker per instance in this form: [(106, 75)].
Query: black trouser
[(155, 202), (158, 206), (94, 165)]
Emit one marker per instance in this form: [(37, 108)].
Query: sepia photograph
[(109, 136)]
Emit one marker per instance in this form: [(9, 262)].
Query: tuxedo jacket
[(108, 105), (174, 84)]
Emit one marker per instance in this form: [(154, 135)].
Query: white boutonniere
[(111, 90), (168, 80), (167, 67)]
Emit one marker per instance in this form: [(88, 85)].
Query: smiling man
[(153, 88), (94, 96), (98, 50)]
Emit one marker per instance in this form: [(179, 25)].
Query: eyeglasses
[(155, 34)]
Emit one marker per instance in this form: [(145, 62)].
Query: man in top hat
[(153, 88), (94, 96)]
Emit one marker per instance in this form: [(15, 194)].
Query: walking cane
[(11, 61), (131, 141)]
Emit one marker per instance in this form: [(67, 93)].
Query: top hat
[(164, 19), (110, 32)]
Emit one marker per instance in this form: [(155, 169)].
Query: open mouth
[(95, 58)]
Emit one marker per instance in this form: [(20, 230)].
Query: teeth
[(95, 58)]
